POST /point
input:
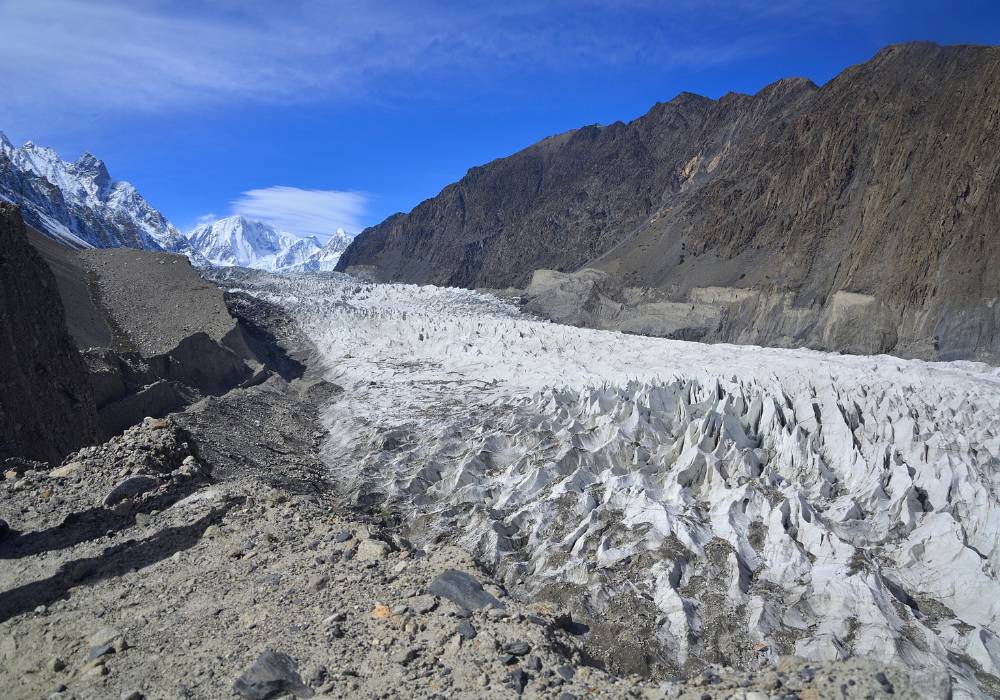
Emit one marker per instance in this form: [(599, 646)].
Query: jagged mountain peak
[(242, 242), (79, 203)]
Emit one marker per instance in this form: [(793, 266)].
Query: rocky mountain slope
[(78, 203), (46, 400), (98, 339), (883, 183)]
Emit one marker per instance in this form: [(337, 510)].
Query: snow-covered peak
[(236, 241), (93, 169), (80, 202)]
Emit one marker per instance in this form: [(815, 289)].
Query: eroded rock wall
[(46, 400)]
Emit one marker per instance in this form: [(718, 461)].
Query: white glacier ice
[(752, 501)]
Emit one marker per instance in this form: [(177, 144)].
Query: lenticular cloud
[(304, 212)]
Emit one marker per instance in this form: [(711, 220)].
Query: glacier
[(732, 504)]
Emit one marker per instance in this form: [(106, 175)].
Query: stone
[(886, 684), (372, 550), (271, 675), (381, 612), (132, 695), (56, 664), (4, 527), (317, 583), (466, 630), (340, 537), (131, 488), (97, 652), (105, 635), (463, 590), (533, 663), (771, 680), (518, 679), (65, 470), (423, 604), (566, 672), (403, 655), (518, 648)]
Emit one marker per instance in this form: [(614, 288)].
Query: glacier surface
[(731, 503)]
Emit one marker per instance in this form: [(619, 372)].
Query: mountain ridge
[(80, 205), (882, 182)]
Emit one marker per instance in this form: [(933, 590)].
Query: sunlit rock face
[(699, 503)]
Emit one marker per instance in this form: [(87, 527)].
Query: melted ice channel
[(819, 504)]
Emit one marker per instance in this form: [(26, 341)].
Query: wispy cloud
[(305, 212), (154, 55)]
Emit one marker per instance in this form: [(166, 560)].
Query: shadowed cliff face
[(884, 182), (46, 400)]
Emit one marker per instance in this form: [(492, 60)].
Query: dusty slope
[(884, 182)]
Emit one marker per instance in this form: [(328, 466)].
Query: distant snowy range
[(80, 205)]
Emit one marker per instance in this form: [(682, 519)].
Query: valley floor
[(495, 505)]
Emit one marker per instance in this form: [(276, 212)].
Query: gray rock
[(423, 604), (518, 679), (463, 590), (105, 635), (131, 487), (404, 655), (372, 550), (566, 672), (518, 648), (99, 651), (466, 630), (272, 674)]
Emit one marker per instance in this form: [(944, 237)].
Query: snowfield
[(724, 503)]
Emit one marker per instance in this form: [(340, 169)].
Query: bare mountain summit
[(860, 216)]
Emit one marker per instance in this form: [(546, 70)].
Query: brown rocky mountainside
[(863, 215)]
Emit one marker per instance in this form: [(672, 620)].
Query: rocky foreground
[(134, 571)]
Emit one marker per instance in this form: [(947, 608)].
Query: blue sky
[(326, 114)]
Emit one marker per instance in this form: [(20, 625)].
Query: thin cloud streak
[(304, 212), (129, 57)]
